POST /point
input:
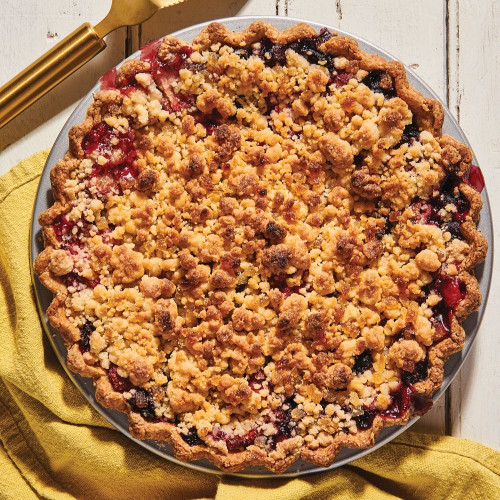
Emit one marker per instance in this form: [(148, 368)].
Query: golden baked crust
[(262, 252)]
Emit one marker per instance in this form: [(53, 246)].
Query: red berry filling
[(177, 61), (237, 443), (474, 178), (342, 78), (121, 172), (404, 399), (74, 279), (107, 142), (70, 241), (120, 384), (63, 226), (108, 81), (165, 73), (158, 68), (281, 419), (451, 289), (400, 402), (149, 52), (66, 234), (279, 282), (255, 381), (210, 121), (69, 237)]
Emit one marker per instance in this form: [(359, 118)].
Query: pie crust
[(261, 247)]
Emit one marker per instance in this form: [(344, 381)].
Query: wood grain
[(474, 96)]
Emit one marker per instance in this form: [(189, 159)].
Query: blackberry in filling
[(191, 438), (85, 333), (365, 420), (363, 362), (275, 53), (410, 134), (419, 374), (142, 402), (431, 211), (283, 421), (379, 81)]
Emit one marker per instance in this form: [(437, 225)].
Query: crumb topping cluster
[(261, 244)]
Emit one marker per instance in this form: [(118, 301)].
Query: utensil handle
[(48, 71)]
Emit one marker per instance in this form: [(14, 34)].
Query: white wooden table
[(453, 45)]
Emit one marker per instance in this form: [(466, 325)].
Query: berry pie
[(261, 247)]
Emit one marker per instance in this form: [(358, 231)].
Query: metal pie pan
[(119, 420)]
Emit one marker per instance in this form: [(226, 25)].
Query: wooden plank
[(474, 96), (30, 28), (188, 13), (418, 44)]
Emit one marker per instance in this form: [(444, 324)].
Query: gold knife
[(70, 54)]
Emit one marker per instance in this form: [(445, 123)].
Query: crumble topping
[(260, 244)]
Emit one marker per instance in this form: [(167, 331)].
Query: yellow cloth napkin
[(53, 444)]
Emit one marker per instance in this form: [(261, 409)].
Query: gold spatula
[(70, 54)]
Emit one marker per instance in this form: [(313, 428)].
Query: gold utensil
[(70, 54)]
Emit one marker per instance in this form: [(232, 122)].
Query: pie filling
[(262, 243)]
